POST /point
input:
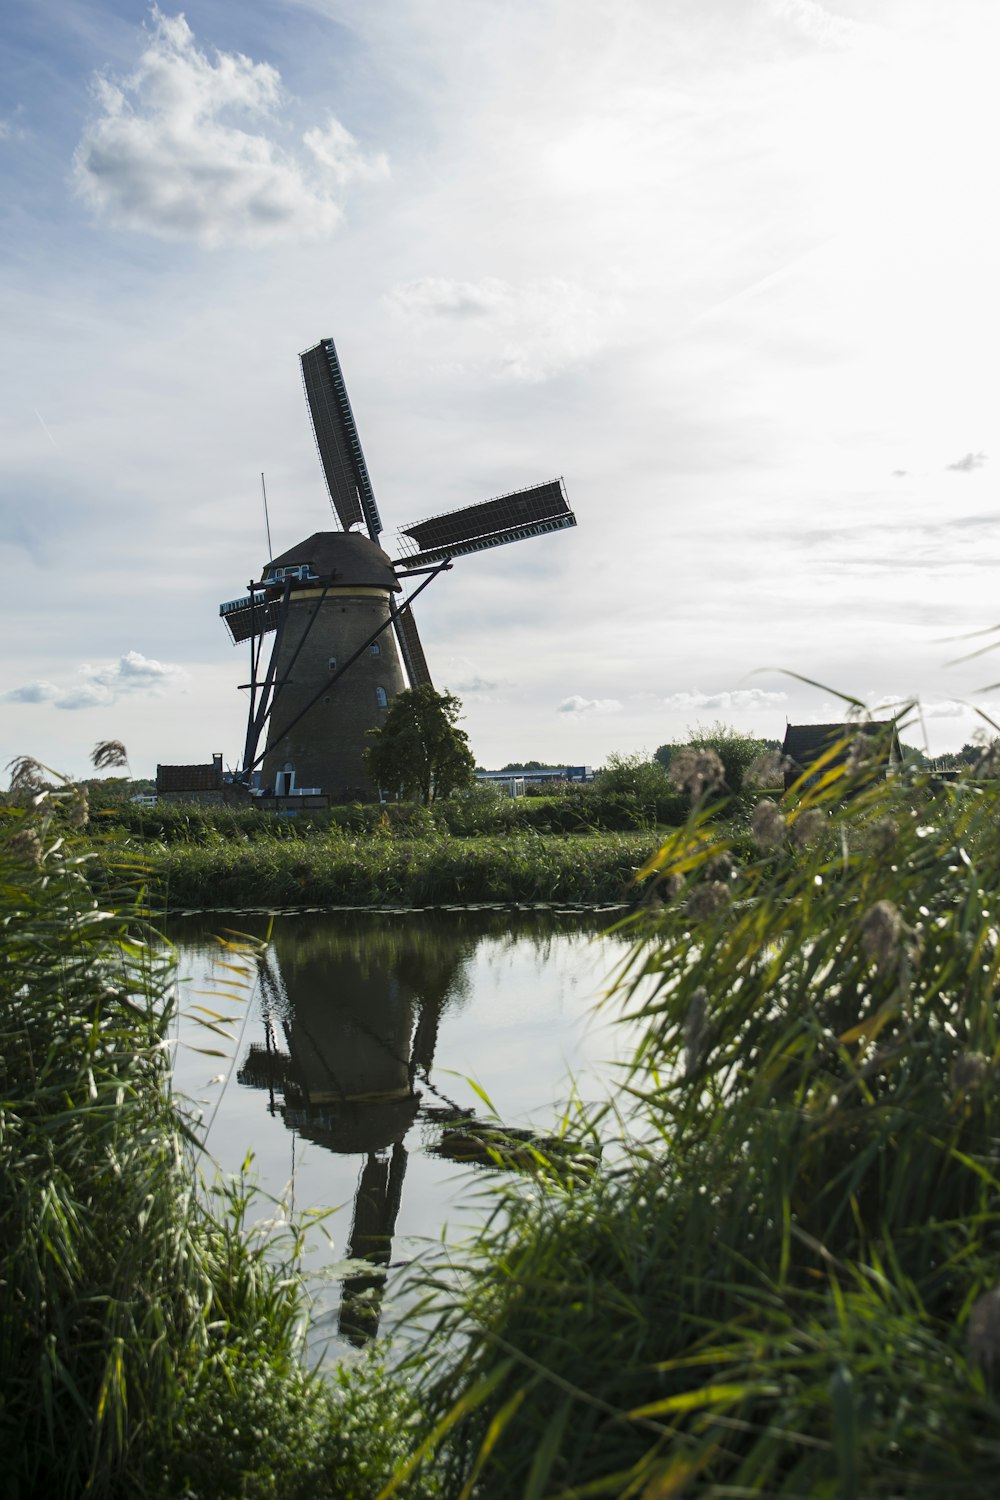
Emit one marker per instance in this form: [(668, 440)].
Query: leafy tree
[(419, 749), (736, 749), (633, 776), (531, 765), (970, 755)]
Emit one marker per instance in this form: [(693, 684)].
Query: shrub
[(737, 750)]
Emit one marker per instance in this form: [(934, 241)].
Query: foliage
[(107, 754), (533, 765), (788, 1284), (149, 1347), (636, 777), (971, 756), (736, 749), (391, 870), (419, 749)]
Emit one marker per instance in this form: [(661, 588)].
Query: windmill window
[(381, 697), (374, 649), (331, 664)]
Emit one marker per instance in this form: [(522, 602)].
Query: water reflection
[(351, 1012), (358, 1009)]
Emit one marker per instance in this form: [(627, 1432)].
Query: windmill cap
[(348, 558)]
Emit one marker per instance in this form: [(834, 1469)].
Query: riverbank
[(380, 870)]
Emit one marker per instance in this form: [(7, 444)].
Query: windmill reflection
[(358, 1008)]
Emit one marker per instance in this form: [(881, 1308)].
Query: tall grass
[(148, 1346), (388, 871), (789, 1283), (577, 808)]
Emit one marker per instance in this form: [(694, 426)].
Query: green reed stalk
[(148, 1344), (788, 1283)]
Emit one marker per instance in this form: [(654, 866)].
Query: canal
[(363, 1057)]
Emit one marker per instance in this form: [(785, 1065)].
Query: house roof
[(348, 557), (805, 743), (189, 778)]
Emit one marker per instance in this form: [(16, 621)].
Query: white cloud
[(817, 23), (132, 675), (946, 709), (737, 701), (339, 153), (161, 159), (578, 705), (532, 330), (968, 463)]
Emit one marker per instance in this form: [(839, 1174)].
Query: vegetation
[(737, 751), (784, 1282), (148, 1345), (789, 1282), (420, 750), (643, 782), (387, 871)]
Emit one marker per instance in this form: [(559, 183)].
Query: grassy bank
[(380, 870), (577, 808)]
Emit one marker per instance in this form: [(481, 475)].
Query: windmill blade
[(251, 615), (410, 647), (337, 439), (509, 518)]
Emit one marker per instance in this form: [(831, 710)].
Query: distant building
[(191, 783), (540, 778), (805, 744)]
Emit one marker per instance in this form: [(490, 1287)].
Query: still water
[(356, 1043)]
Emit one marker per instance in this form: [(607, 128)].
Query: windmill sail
[(337, 439), (252, 615), (509, 518), (411, 648)]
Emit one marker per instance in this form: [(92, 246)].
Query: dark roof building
[(345, 558), (182, 781), (805, 744)]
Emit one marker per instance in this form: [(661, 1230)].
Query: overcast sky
[(727, 266)]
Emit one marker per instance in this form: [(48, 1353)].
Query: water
[(359, 1040)]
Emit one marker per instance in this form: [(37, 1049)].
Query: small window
[(374, 649), (381, 698), (331, 664)]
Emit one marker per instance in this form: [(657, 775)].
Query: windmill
[(342, 636)]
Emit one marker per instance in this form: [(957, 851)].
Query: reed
[(149, 1345), (582, 808), (788, 1282), (385, 871)]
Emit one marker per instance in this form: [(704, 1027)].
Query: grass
[(149, 1346), (385, 871), (784, 1281), (788, 1283)]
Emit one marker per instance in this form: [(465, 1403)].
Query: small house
[(805, 744), (191, 783)]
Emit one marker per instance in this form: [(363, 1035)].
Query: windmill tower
[(343, 632)]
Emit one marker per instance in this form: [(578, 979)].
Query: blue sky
[(728, 266)]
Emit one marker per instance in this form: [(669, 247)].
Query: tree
[(531, 765), (633, 776), (419, 749), (736, 749)]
